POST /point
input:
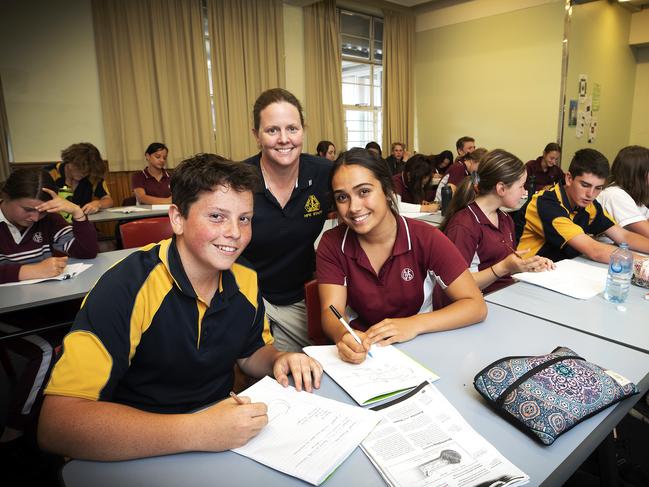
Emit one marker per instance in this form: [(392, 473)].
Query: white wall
[(49, 75)]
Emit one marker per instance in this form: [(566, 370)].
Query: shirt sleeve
[(465, 239), (98, 350), (259, 331), (456, 174), (101, 189), (137, 180), (329, 260), (446, 262), (558, 228), (9, 272), (620, 206), (602, 221), (78, 240)]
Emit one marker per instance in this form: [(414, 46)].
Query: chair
[(145, 231), (314, 326)]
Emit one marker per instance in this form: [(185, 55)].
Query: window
[(361, 38)]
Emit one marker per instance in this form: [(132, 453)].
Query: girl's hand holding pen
[(352, 351)]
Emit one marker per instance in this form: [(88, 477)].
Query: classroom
[(145, 85)]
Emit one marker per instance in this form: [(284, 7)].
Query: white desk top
[(594, 316), (13, 298), (109, 216), (456, 356)]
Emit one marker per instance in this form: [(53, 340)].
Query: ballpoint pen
[(236, 398), (346, 325)]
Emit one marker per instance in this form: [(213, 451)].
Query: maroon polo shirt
[(151, 186), (457, 172), (480, 242), (401, 188), (423, 263), (553, 175)]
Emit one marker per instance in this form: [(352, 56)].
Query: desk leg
[(607, 461)]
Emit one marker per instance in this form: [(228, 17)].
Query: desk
[(109, 216), (456, 356), (594, 316), (13, 298)]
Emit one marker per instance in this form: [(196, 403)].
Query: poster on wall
[(581, 124), (592, 131), (583, 87), (597, 93), (572, 114)]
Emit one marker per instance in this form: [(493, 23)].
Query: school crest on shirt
[(312, 207), (38, 237), (407, 274)]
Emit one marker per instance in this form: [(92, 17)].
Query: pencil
[(236, 398), (346, 325)]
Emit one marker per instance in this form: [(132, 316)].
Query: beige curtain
[(323, 65), (153, 79), (4, 137), (247, 58), (398, 73)]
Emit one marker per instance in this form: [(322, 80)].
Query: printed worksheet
[(307, 436), (387, 373), (572, 278), (70, 271), (422, 440)]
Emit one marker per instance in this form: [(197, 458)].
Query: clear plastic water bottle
[(620, 270)]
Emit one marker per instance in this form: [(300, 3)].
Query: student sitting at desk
[(411, 185), (82, 172), (558, 222), (151, 185), (158, 336), (394, 272), (626, 197), (482, 232), (545, 169), (32, 233)]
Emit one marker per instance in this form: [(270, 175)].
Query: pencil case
[(547, 395)]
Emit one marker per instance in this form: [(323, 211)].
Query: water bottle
[(447, 194), (620, 270)]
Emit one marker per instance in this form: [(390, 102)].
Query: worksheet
[(422, 440), (307, 436), (572, 278), (70, 271), (387, 373)]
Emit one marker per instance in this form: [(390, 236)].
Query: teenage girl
[(401, 277), (151, 185), (482, 232), (34, 243), (626, 197), (412, 183)]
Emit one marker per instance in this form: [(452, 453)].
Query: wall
[(496, 78), (599, 47), (49, 74)]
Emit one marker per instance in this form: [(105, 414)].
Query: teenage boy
[(561, 221), (158, 336)]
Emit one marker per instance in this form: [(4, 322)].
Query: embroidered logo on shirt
[(312, 207), (38, 237), (407, 274)]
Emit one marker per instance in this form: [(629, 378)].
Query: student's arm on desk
[(601, 252), (268, 360), (348, 348), (468, 307), (95, 205), (636, 241), (105, 431), (641, 228), (146, 199)]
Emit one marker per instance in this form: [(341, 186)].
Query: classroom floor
[(27, 465)]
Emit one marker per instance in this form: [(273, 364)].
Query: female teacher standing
[(290, 211)]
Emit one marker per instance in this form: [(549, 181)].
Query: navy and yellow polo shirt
[(145, 339), (85, 190), (281, 248), (547, 222)]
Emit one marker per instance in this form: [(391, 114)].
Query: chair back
[(138, 233), (314, 325)]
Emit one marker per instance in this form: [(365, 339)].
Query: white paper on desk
[(70, 271), (422, 440), (160, 206), (572, 278), (387, 373), (307, 436), (125, 209)]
